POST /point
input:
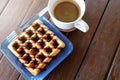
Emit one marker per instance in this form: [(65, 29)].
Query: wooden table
[(96, 54)]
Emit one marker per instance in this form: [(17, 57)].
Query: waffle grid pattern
[(36, 46)]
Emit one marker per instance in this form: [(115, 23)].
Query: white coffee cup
[(67, 26)]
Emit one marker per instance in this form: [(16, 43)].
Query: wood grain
[(3, 4), (114, 73), (21, 78), (68, 68), (7, 71), (11, 18), (103, 46), (36, 7)]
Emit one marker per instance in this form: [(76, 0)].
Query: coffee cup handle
[(82, 25), (42, 12)]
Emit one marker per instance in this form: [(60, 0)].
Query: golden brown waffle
[(36, 46)]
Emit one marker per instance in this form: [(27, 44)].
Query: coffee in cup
[(67, 14), (66, 11)]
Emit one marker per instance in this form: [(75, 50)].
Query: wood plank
[(68, 68), (114, 73), (101, 51), (36, 7), (12, 16), (10, 19), (7, 71), (21, 78), (3, 4)]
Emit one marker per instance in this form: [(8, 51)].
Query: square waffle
[(36, 46)]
